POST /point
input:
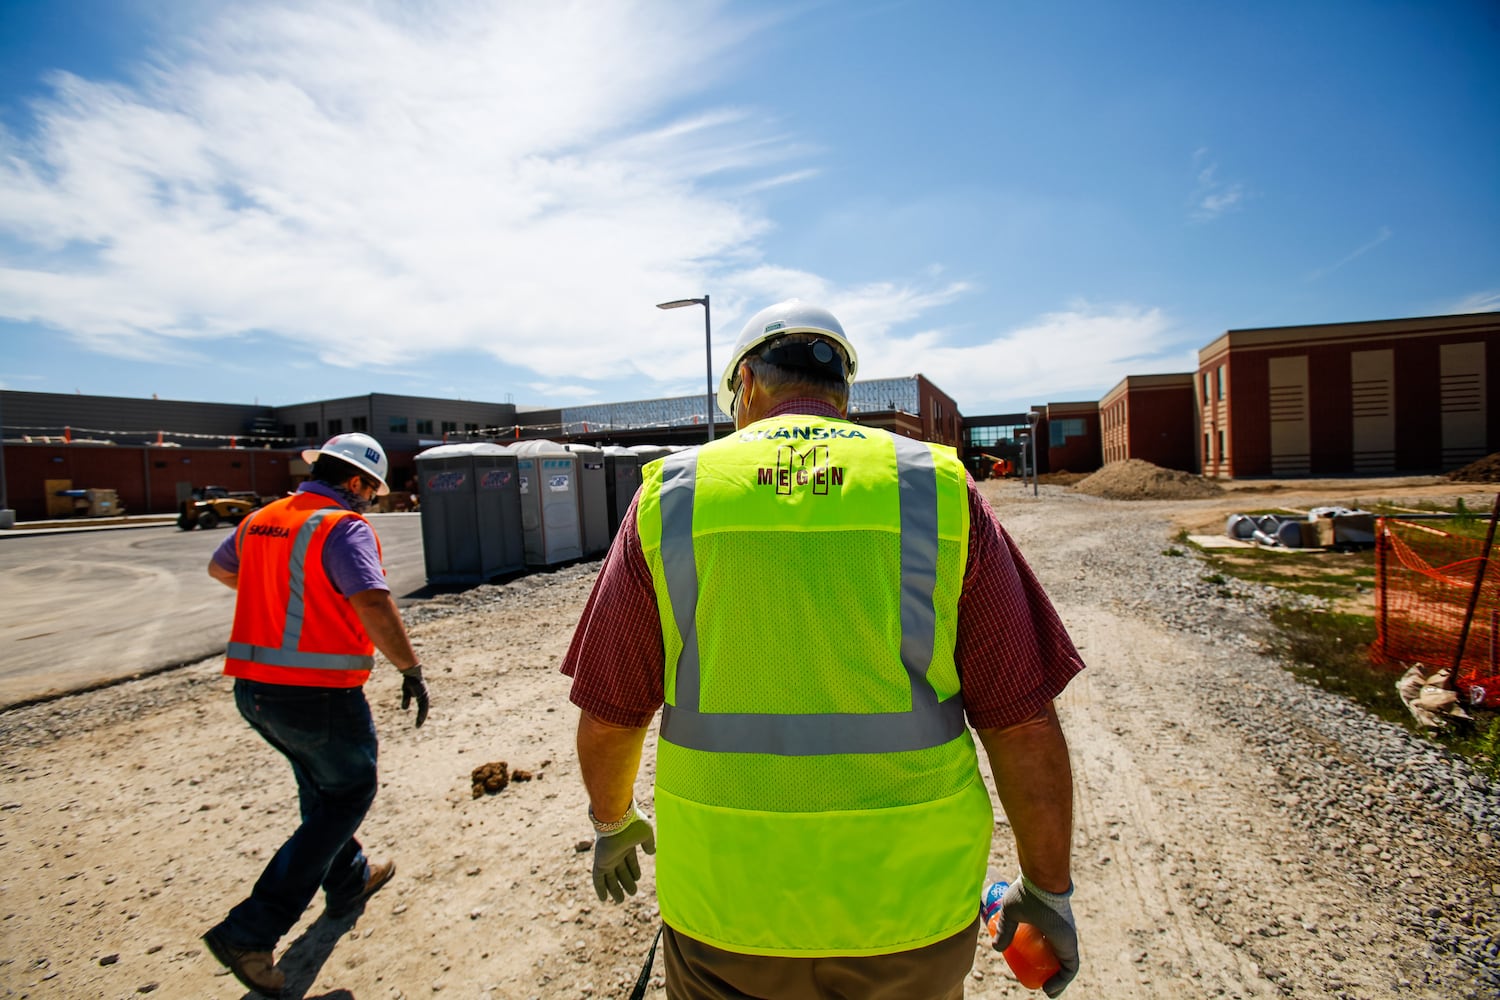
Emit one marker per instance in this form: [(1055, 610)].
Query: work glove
[(1048, 912), (413, 686), (616, 867)]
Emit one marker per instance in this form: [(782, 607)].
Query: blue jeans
[(329, 737)]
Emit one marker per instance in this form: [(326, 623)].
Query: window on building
[(424, 426), (288, 430), (1058, 431), (450, 426), (1207, 387), (310, 428), (398, 425), (1222, 453), (471, 427), (335, 427), (1208, 455), (361, 424), (1221, 381)]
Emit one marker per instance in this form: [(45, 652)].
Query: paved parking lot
[(88, 605)]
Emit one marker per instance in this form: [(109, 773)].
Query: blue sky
[(1026, 202)]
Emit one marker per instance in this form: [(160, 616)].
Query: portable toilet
[(551, 525), (501, 546), (622, 477), (471, 512), (593, 497), (650, 452)]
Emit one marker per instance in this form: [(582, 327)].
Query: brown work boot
[(380, 874), (256, 970)]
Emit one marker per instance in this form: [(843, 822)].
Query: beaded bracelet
[(617, 825)]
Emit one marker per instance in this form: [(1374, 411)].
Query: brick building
[(1150, 417), (1069, 434), (1402, 396)]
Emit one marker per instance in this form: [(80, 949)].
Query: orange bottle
[(1030, 958)]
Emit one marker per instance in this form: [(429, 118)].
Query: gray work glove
[(413, 686), (616, 867), (1048, 912)]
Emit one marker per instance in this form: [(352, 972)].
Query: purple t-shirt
[(350, 556)]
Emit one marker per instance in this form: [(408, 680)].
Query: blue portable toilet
[(551, 524)]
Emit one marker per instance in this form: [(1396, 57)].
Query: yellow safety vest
[(817, 792)]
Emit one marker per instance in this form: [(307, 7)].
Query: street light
[(708, 349), (1032, 418)]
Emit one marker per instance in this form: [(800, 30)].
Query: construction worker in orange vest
[(312, 606)]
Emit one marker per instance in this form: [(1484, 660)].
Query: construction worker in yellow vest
[(815, 606)]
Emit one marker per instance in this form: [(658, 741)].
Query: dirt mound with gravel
[(1485, 470), (1134, 479)]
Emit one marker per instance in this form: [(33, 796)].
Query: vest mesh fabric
[(800, 592)]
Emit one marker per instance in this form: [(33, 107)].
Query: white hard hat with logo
[(774, 322), (359, 450)]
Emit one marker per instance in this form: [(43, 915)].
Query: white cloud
[(1380, 237), (1076, 353), (380, 187), (1488, 301), (1211, 196), (375, 183)]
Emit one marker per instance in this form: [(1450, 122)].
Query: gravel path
[(1239, 833), (1385, 826)]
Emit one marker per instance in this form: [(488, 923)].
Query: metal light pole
[(7, 516), (1032, 418), (708, 349)]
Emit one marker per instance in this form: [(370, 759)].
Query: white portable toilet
[(593, 497), (551, 523)]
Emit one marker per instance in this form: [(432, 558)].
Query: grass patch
[(1322, 573), (1332, 651)]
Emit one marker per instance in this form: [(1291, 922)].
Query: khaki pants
[(697, 971)]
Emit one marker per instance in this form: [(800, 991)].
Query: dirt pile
[(493, 777), (1134, 479), (1484, 470)]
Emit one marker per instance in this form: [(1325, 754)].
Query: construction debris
[(1323, 527), (1428, 698)]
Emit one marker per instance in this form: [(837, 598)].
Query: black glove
[(616, 866), (413, 686), (1048, 912)]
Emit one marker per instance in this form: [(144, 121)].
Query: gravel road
[(1239, 833)]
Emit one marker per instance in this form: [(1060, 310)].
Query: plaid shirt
[(1013, 653)]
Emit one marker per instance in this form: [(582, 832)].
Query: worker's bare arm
[(377, 613), (1034, 780), (228, 579), (609, 757)]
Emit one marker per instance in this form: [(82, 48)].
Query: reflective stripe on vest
[(929, 723), (287, 654)]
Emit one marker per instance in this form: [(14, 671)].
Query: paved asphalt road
[(78, 608)]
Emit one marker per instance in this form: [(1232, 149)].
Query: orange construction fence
[(1424, 587)]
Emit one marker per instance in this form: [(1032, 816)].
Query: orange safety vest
[(290, 625)]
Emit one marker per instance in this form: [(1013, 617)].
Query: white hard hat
[(359, 450), (791, 316)]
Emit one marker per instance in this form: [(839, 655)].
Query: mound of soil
[(1485, 470), (1134, 479)]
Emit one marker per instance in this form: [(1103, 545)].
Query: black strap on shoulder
[(645, 977)]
